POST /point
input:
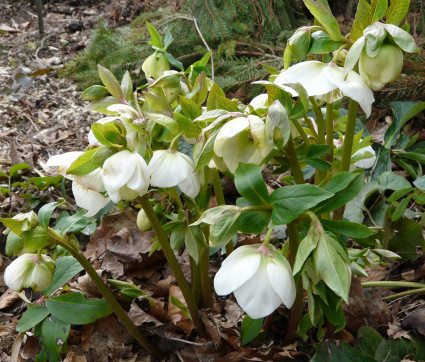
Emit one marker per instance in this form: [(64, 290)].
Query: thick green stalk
[(196, 279), (311, 126), (330, 130), (107, 294), (205, 278), (347, 146), (172, 191), (403, 294), (392, 284), (297, 307), (293, 161), (174, 264), (219, 196)]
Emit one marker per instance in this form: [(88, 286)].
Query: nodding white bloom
[(367, 153), (30, 271), (243, 139), (30, 220), (328, 82), (260, 278), (170, 168), (86, 188), (125, 176)]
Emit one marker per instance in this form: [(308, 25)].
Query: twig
[(200, 35)]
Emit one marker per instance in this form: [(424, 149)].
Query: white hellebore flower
[(260, 278), (328, 82), (30, 220), (242, 139), (30, 271), (86, 188), (170, 168), (125, 176)]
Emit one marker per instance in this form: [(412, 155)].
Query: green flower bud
[(299, 42), (383, 68), (143, 222), (155, 65), (30, 271)]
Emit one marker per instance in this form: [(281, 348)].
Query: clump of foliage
[(242, 34)]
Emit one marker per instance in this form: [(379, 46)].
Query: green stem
[(107, 294), (205, 278), (347, 146), (173, 142), (196, 279), (392, 284), (387, 228), (293, 161), (174, 264), (301, 132), (330, 130), (172, 191), (403, 294), (219, 196), (266, 241), (297, 307)]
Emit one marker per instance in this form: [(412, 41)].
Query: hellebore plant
[(161, 150)]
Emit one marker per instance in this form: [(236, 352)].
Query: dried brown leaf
[(8, 298)]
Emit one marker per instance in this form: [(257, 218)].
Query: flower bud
[(30, 271), (155, 65), (142, 221), (30, 220), (383, 68), (299, 42)]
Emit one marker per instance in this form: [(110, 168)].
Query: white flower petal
[(367, 162), (229, 130), (168, 169), (117, 170), (239, 149), (282, 282), (355, 88), (191, 186), (236, 269), (259, 101), (92, 180), (310, 75), (88, 199), (257, 297), (139, 181)]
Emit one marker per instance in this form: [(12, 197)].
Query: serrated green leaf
[(189, 129), (347, 228), (190, 108), (127, 85), (110, 82), (400, 209), (397, 11), (250, 183), (322, 43), (74, 308), (90, 160), (206, 153), (212, 97), (193, 239), (252, 221), (178, 64), (321, 11), (224, 229), (102, 105), (66, 268), (54, 334), (379, 8), (289, 202), (331, 266), (362, 20), (32, 316), (155, 36), (94, 93)]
